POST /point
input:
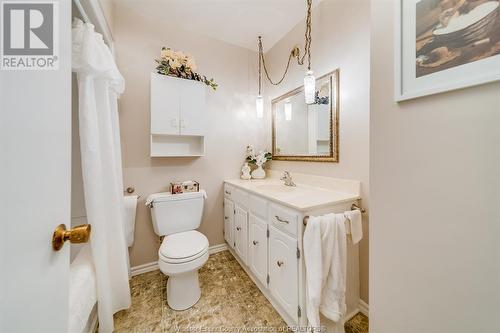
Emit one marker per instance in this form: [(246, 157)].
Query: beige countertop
[(311, 192)]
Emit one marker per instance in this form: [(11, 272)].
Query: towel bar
[(354, 206)]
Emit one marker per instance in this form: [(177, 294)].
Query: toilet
[(183, 250)]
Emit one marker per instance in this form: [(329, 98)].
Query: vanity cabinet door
[(229, 222), (283, 270), (241, 231), (192, 105), (257, 248)]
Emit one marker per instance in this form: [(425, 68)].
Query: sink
[(277, 188)]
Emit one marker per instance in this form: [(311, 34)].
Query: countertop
[(305, 196)]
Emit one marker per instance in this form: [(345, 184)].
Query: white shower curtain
[(99, 85)]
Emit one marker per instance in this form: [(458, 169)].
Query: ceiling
[(237, 22)]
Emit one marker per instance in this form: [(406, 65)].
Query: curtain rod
[(82, 11)]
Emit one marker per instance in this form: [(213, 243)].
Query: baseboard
[(152, 266), (363, 307), (217, 248)]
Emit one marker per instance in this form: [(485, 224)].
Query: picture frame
[(432, 58)]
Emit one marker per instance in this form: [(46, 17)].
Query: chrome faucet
[(287, 178)]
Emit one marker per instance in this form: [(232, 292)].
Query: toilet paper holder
[(131, 190)]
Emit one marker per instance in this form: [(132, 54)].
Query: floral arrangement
[(179, 64), (259, 158)]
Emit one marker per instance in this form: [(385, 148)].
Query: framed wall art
[(443, 45)]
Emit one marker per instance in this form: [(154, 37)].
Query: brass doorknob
[(79, 234)]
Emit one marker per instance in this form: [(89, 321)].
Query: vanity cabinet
[(241, 231), (257, 248), (283, 270), (264, 232), (178, 116), (229, 222)]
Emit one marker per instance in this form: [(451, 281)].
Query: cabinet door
[(257, 248), (193, 113), (165, 105), (240, 237), (229, 222), (283, 270)]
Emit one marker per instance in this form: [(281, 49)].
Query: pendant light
[(309, 79)]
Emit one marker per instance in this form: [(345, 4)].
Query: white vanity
[(263, 226)]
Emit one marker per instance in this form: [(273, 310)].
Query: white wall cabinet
[(178, 116)]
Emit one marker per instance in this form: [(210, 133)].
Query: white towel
[(82, 290), (354, 219), (130, 212), (325, 251)]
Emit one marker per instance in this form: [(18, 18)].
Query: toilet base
[(183, 290)]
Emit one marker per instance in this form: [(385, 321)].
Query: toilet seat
[(183, 247)]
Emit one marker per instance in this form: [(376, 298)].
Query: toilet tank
[(173, 213)]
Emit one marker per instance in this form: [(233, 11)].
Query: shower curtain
[(99, 85)]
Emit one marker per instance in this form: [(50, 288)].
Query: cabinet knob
[(280, 263), (238, 228), (281, 220), (225, 217), (228, 193), (255, 242)]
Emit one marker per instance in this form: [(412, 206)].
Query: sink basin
[(279, 188)]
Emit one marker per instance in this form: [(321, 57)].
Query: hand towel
[(130, 212), (325, 256), (354, 219)]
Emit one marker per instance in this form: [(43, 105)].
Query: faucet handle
[(285, 175)]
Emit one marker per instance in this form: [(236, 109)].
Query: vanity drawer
[(228, 191), (257, 206), (283, 219)]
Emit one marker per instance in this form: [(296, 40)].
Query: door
[(193, 113), (229, 222), (283, 270), (240, 236), (35, 173), (165, 104), (257, 248)]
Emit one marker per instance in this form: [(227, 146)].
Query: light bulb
[(288, 111), (310, 87), (259, 106)]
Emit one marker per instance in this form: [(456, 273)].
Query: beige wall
[(108, 8), (341, 39), (434, 192), (231, 112)]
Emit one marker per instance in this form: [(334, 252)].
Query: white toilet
[(183, 250)]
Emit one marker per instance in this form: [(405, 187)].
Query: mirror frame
[(333, 156)]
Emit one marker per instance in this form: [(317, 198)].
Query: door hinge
[(234, 244), (267, 233), (235, 211), (299, 311), (268, 279), (298, 253)]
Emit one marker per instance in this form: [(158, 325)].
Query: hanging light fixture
[(309, 79), (288, 111)]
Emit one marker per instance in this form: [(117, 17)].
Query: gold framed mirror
[(307, 132)]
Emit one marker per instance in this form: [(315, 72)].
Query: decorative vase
[(259, 173), (245, 172)]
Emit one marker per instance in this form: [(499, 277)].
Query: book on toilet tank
[(184, 187)]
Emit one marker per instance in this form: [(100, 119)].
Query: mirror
[(307, 132)]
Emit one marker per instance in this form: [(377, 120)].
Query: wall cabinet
[(178, 116)]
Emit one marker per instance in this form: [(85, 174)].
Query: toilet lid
[(183, 245)]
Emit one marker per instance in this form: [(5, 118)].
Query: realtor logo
[(29, 35)]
